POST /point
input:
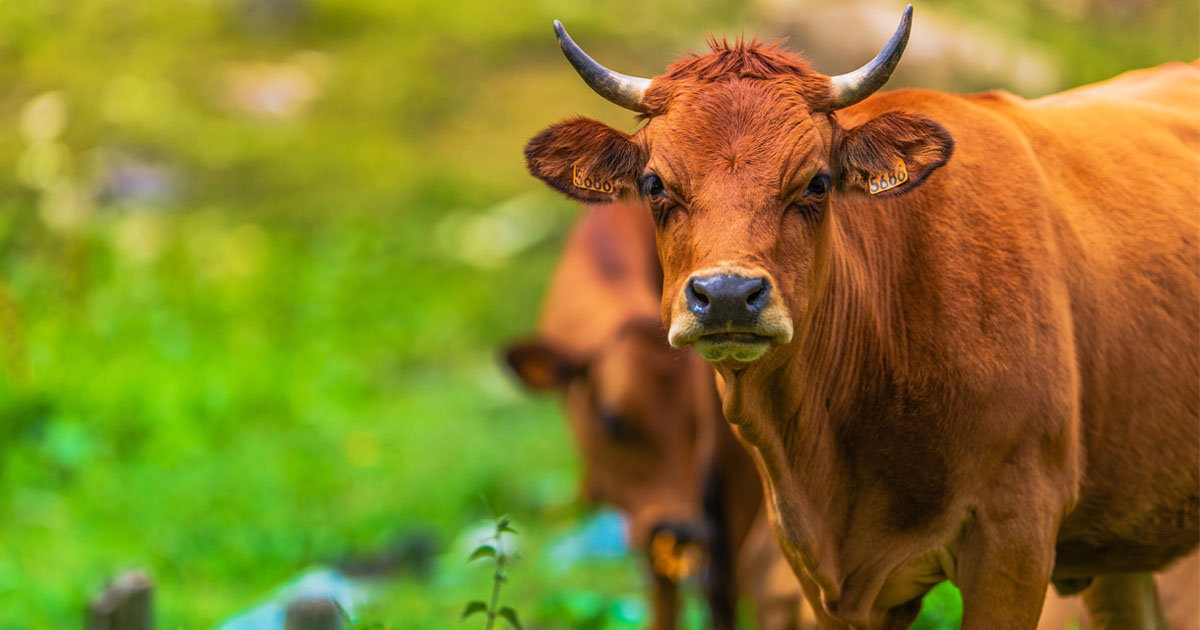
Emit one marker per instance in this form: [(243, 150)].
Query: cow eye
[(817, 187), (616, 428), (652, 186)]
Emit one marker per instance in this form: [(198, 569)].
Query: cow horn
[(853, 87), (621, 89)]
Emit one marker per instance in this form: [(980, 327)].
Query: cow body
[(1016, 345), (646, 419), (987, 372)]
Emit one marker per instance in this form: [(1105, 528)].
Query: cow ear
[(585, 160), (542, 367), (891, 154)]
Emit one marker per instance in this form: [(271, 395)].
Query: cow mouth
[(673, 559), (739, 346)]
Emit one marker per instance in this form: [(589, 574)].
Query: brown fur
[(994, 371), (601, 346)]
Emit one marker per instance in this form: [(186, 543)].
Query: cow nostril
[(696, 295), (757, 296), (753, 297)]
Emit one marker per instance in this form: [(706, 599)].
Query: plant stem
[(496, 579)]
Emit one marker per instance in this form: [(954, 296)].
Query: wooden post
[(127, 603), (312, 613)]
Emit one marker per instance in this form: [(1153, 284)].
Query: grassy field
[(256, 258)]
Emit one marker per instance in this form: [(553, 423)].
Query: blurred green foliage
[(1093, 40), (255, 260)]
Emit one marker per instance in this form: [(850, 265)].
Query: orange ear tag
[(888, 181), (587, 181)]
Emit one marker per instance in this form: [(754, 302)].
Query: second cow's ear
[(586, 160), (541, 366), (891, 153)]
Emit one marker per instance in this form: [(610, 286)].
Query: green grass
[(287, 354)]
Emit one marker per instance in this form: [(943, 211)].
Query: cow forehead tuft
[(741, 60), (751, 60)]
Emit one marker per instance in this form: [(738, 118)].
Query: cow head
[(642, 415), (741, 161)]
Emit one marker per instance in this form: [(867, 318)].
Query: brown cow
[(647, 421), (960, 334)]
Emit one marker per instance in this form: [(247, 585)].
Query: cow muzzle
[(730, 313), (677, 550)]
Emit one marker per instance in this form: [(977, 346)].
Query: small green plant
[(493, 548)]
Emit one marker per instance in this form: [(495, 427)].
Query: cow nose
[(681, 532), (721, 299), (677, 549)]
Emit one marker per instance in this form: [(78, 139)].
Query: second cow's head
[(739, 159)]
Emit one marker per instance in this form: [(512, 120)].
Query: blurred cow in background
[(648, 424)]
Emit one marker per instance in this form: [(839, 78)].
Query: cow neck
[(851, 348), (798, 409)]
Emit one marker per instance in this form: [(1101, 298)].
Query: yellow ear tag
[(888, 181), (586, 181)]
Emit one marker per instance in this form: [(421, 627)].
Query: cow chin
[(743, 346)]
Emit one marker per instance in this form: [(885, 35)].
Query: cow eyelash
[(653, 188), (810, 203), (662, 205), (818, 186)]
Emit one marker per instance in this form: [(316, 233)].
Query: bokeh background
[(257, 256)]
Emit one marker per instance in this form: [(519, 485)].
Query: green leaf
[(503, 525), (472, 608), (482, 551), (510, 616)]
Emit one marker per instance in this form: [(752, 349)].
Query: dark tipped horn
[(621, 89), (853, 87)]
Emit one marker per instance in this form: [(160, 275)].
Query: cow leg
[(1003, 570), (1126, 601), (666, 602), (722, 605), (718, 579)]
